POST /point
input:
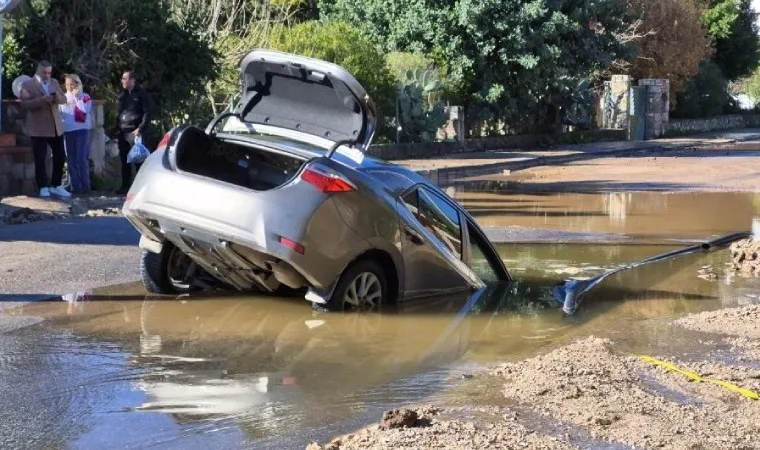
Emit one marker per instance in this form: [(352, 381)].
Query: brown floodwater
[(643, 215), (114, 368)]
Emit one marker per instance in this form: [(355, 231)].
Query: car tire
[(364, 275), (154, 270)]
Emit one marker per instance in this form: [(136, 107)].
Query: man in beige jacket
[(40, 97)]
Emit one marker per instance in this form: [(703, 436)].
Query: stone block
[(18, 171), (6, 164), (7, 139), (98, 115), (29, 171), (98, 150), (5, 185), (28, 187), (16, 187)]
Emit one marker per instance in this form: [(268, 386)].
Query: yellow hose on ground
[(698, 378)]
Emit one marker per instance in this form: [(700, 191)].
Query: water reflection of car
[(240, 358), (283, 195)]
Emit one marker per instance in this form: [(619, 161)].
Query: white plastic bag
[(138, 153)]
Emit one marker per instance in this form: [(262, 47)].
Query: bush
[(399, 63), (706, 95)]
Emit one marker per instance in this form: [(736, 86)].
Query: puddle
[(656, 216), (226, 372)]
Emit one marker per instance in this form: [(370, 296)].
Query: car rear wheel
[(168, 272), (362, 287)]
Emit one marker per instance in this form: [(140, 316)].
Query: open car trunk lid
[(305, 99)]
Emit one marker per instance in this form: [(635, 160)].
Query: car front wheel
[(169, 272), (362, 287)]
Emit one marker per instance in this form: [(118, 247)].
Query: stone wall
[(422, 150), (717, 123), (15, 180), (17, 171)]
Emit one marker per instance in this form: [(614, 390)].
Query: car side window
[(441, 219), (479, 262)]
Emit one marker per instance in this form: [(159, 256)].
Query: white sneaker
[(44, 192), (60, 191)]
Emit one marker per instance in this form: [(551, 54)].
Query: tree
[(677, 44), (234, 27), (523, 62), (100, 39), (751, 87), (734, 33), (705, 95)]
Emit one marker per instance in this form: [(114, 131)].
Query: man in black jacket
[(134, 116)]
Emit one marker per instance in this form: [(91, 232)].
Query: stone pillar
[(658, 106), (454, 127), (98, 138), (615, 102)]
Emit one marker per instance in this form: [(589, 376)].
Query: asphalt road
[(47, 258)]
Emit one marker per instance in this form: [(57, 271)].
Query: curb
[(450, 175)]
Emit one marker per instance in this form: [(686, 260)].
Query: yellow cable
[(745, 392), (698, 378)]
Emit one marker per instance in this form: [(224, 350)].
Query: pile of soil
[(430, 431), (626, 400), (742, 324), (22, 209), (745, 257), (11, 215)]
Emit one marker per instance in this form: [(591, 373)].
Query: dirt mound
[(399, 418), (501, 433), (741, 323), (23, 209), (745, 257), (11, 215), (623, 399)]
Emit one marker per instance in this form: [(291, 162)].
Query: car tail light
[(293, 245), (164, 141), (327, 182)]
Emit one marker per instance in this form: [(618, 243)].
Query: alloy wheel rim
[(364, 292)]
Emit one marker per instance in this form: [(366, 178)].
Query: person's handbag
[(138, 153), (79, 115)]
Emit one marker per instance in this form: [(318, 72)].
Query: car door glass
[(479, 262), (441, 219)]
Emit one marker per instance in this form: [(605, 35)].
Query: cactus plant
[(420, 116)]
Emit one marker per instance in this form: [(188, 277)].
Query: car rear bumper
[(235, 234)]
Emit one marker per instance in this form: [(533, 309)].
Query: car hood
[(304, 98)]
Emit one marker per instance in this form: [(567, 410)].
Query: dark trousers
[(126, 169), (78, 158), (40, 149)]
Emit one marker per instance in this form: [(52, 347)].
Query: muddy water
[(653, 215), (116, 369)]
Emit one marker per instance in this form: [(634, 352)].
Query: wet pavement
[(115, 368)]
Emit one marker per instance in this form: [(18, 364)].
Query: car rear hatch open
[(302, 98)]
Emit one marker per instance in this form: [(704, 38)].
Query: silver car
[(278, 193)]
